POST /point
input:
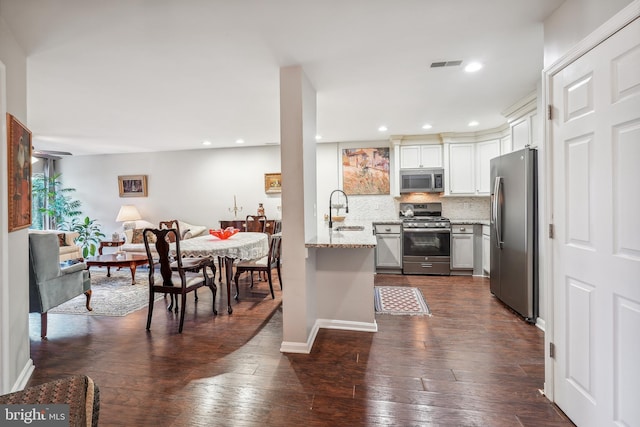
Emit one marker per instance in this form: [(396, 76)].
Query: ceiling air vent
[(446, 64)]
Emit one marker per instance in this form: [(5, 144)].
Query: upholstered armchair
[(50, 284)]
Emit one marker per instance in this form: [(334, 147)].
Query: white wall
[(196, 186), (573, 21), (15, 363)]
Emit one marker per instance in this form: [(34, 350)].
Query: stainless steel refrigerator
[(514, 242)]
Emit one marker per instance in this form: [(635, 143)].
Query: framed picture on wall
[(365, 170), (19, 169), (132, 185), (272, 183)]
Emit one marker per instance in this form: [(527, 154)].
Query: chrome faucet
[(330, 205)]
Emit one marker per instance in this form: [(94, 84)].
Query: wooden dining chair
[(256, 223), (189, 264), (173, 278), (264, 264)]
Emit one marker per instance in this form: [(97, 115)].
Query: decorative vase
[(260, 209)]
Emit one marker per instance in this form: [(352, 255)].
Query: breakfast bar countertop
[(334, 238), (387, 221)]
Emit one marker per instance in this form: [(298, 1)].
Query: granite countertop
[(333, 238), (470, 221)]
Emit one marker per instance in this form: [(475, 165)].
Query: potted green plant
[(90, 235), (51, 202)]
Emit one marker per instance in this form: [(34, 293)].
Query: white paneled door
[(595, 137)]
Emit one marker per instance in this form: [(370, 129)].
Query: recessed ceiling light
[(239, 141), (318, 137), (206, 142), (426, 126), (473, 67), (382, 128), (473, 123)]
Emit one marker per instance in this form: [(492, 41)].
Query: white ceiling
[(124, 76)]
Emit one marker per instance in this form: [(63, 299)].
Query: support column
[(298, 167)]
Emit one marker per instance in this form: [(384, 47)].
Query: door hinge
[(552, 350), (550, 112), (552, 231)]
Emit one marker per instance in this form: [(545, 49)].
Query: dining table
[(243, 245)]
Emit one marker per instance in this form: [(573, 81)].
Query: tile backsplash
[(387, 207)]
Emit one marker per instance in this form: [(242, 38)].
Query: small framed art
[(132, 185), (272, 183)]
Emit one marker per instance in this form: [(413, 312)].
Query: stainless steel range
[(426, 241)]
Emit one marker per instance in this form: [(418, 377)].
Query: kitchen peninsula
[(345, 268)]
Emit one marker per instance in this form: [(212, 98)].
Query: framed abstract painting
[(365, 171)]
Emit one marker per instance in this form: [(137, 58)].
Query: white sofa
[(134, 244), (68, 248)]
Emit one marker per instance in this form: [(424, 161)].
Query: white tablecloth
[(243, 245)]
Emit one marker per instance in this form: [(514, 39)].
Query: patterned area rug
[(400, 300), (112, 296)]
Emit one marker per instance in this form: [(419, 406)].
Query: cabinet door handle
[(387, 229)]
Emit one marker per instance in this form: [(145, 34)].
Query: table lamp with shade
[(128, 214)]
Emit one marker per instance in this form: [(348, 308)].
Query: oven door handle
[(426, 230)]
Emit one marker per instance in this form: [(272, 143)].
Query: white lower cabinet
[(462, 247), (388, 247)]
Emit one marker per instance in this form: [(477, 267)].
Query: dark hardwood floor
[(472, 363)]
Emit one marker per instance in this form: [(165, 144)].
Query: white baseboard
[(540, 323), (23, 378), (345, 325), (300, 347)]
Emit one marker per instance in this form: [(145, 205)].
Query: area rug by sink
[(400, 300), (111, 296)]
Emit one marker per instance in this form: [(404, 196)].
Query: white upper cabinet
[(505, 144), (520, 133), (523, 119), (421, 156), (461, 169), (485, 152), (469, 163)]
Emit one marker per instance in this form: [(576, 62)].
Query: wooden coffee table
[(118, 260)]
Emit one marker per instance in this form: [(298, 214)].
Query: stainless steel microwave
[(422, 180)]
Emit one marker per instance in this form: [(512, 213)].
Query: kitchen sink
[(350, 228)]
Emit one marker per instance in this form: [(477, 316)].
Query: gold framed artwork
[(272, 183), (132, 185), (19, 159), (365, 170)]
